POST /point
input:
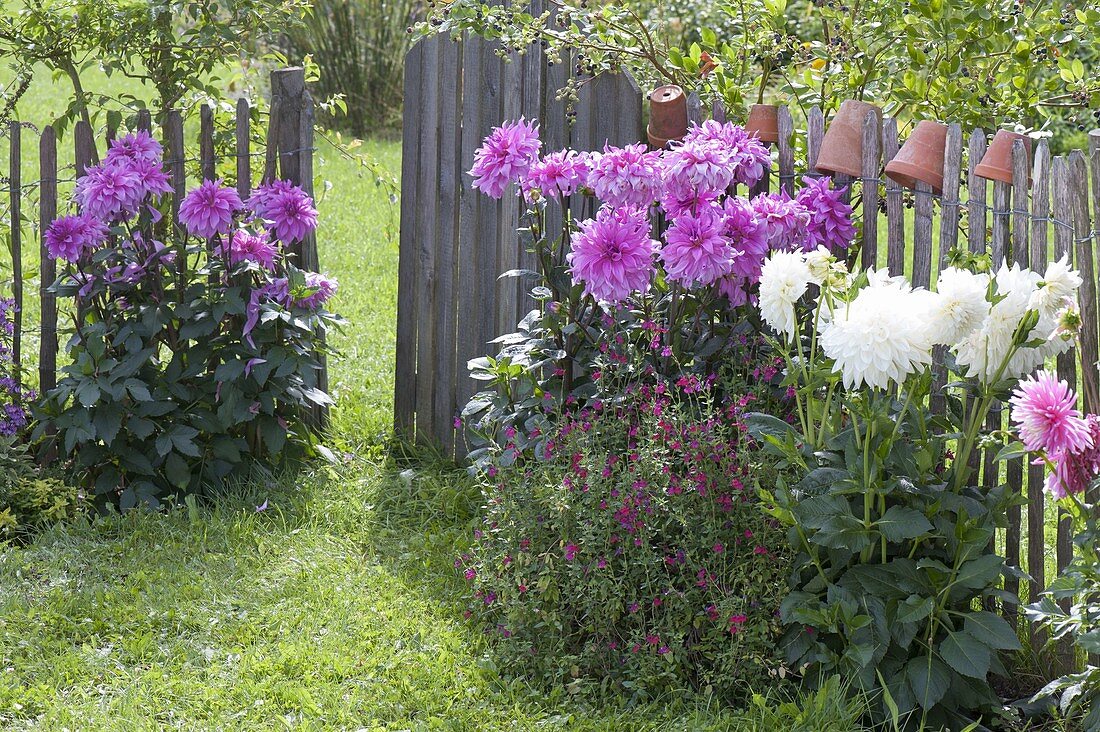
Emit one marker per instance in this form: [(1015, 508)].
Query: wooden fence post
[(15, 182), (47, 212), (293, 106)]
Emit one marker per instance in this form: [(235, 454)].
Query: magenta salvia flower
[(505, 156), (678, 201), (291, 213), (209, 209), (1045, 411), (747, 235), (628, 176), (137, 146), (70, 236), (785, 220), (698, 166), (248, 247), (748, 158), (111, 189), (696, 250), (557, 174), (830, 217), (318, 290), (612, 255)]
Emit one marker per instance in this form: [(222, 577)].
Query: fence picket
[(47, 212), (1037, 259), (815, 133), (444, 368), (15, 182), (208, 164), (1086, 265), (404, 390), (786, 150), (977, 192), (870, 167), (243, 148), (895, 204)]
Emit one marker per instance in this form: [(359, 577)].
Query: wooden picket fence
[(288, 152), (455, 241)]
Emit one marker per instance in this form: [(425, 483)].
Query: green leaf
[(177, 471), (915, 608), (900, 523), (979, 573), (966, 654), (930, 679), (992, 630)]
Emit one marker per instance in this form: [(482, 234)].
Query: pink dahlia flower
[(557, 174), (291, 213), (209, 209), (1044, 410), (627, 176), (70, 236), (612, 255), (748, 235), (830, 217), (696, 250), (319, 289), (748, 158), (697, 166), (248, 247), (736, 289), (785, 220), (677, 201), (137, 146), (111, 189), (505, 156)]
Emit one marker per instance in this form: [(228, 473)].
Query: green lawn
[(331, 609)]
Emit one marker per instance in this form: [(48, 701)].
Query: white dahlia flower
[(959, 305), (783, 280), (881, 336), (983, 350), (1059, 282)]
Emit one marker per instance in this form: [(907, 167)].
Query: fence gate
[(455, 240)]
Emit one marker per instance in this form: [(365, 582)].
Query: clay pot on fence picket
[(920, 159), (842, 147), (996, 164), (668, 115), (764, 122)]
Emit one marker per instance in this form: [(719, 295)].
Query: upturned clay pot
[(996, 164), (668, 115), (764, 122), (920, 159), (842, 148)]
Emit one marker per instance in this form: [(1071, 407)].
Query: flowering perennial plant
[(193, 353), (667, 250), (1044, 411), (633, 557), (893, 541)]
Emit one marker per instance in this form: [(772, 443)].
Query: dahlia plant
[(654, 245), (1045, 414), (894, 541), (196, 347)]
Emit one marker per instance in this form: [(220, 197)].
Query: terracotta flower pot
[(920, 159), (996, 164), (842, 148), (668, 115), (764, 122)]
